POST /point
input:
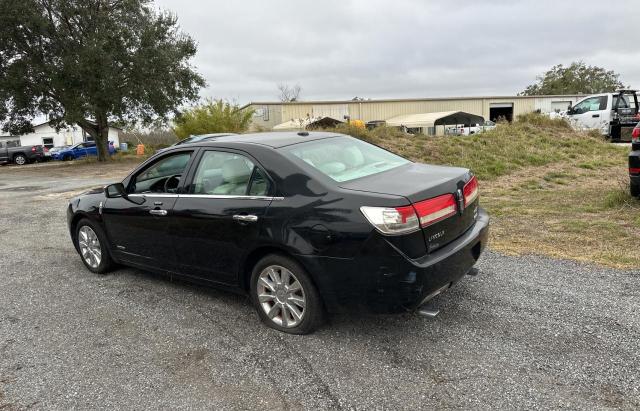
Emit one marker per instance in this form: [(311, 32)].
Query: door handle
[(158, 212), (245, 218), (595, 115)]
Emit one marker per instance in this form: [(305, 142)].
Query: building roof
[(392, 100), (435, 119)]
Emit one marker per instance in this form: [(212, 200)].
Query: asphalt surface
[(527, 332)]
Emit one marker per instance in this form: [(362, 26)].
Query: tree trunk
[(102, 138)]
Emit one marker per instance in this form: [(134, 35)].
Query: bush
[(213, 116)]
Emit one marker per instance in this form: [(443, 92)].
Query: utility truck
[(613, 114)]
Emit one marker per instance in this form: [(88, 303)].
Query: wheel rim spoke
[(263, 298), (281, 296), (89, 245)]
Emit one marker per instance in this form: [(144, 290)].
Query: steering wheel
[(170, 187)]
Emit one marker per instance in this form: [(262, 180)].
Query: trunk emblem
[(460, 199)]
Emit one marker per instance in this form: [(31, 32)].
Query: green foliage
[(578, 78), (92, 63), (214, 116)]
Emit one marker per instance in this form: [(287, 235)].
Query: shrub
[(213, 116)]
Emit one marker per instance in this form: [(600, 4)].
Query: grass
[(549, 189)]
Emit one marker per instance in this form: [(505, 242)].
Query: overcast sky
[(339, 49)]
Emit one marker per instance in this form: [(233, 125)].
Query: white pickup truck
[(613, 114)]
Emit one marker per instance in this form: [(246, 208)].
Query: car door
[(590, 113), (218, 217), (137, 222), (3, 152), (90, 149)]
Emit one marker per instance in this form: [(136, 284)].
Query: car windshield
[(345, 158)]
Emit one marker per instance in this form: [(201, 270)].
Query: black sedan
[(305, 223)]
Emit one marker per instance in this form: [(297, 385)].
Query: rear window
[(345, 158)]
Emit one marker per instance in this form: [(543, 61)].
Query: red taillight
[(470, 191), (634, 170), (635, 135), (33, 149), (435, 209)]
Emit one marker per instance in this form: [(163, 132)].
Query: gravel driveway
[(527, 332)]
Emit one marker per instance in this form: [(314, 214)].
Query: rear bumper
[(381, 279)]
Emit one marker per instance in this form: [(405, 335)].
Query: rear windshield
[(345, 158)]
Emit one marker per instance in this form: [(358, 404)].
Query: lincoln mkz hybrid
[(306, 223)]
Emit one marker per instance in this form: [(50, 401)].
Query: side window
[(222, 173), (592, 104), (163, 176)]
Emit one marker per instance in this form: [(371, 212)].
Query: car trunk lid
[(436, 193)]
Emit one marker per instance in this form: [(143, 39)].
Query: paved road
[(526, 333)]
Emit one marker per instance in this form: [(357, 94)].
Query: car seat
[(235, 177)]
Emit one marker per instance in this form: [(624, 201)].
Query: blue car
[(80, 150)]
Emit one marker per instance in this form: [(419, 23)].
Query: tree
[(213, 116), (92, 63), (288, 94), (578, 78)]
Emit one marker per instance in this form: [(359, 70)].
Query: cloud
[(402, 48)]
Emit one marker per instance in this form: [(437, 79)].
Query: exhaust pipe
[(429, 312)]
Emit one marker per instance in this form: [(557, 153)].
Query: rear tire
[(20, 159), (284, 295), (92, 246), (635, 189)]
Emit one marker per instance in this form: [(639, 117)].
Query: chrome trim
[(145, 195), (212, 196), (231, 197)]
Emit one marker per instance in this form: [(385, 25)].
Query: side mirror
[(570, 110), (115, 190)]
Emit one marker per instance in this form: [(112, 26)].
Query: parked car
[(20, 155), (613, 114), (86, 149), (302, 222), (634, 162), (202, 137)]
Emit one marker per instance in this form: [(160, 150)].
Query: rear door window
[(226, 173)]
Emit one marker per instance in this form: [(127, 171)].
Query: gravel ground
[(527, 332)]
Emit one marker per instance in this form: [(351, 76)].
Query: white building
[(45, 135)]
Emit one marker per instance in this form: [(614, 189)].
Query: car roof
[(270, 139)]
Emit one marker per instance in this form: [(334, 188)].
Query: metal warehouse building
[(270, 114)]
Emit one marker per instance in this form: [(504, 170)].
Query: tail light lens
[(470, 191), (392, 221), (33, 149), (435, 209), (635, 135), (634, 170)]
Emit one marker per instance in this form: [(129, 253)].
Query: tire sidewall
[(105, 262), (314, 310)]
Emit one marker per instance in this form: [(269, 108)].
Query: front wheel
[(92, 245), (20, 159), (284, 295)]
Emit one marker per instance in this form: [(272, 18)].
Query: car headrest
[(235, 171), (352, 157)]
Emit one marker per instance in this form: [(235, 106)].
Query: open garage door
[(501, 111)]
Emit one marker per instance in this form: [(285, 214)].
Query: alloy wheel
[(281, 296), (89, 246), (20, 160)]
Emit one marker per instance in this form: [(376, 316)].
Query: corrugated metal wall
[(383, 110)]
